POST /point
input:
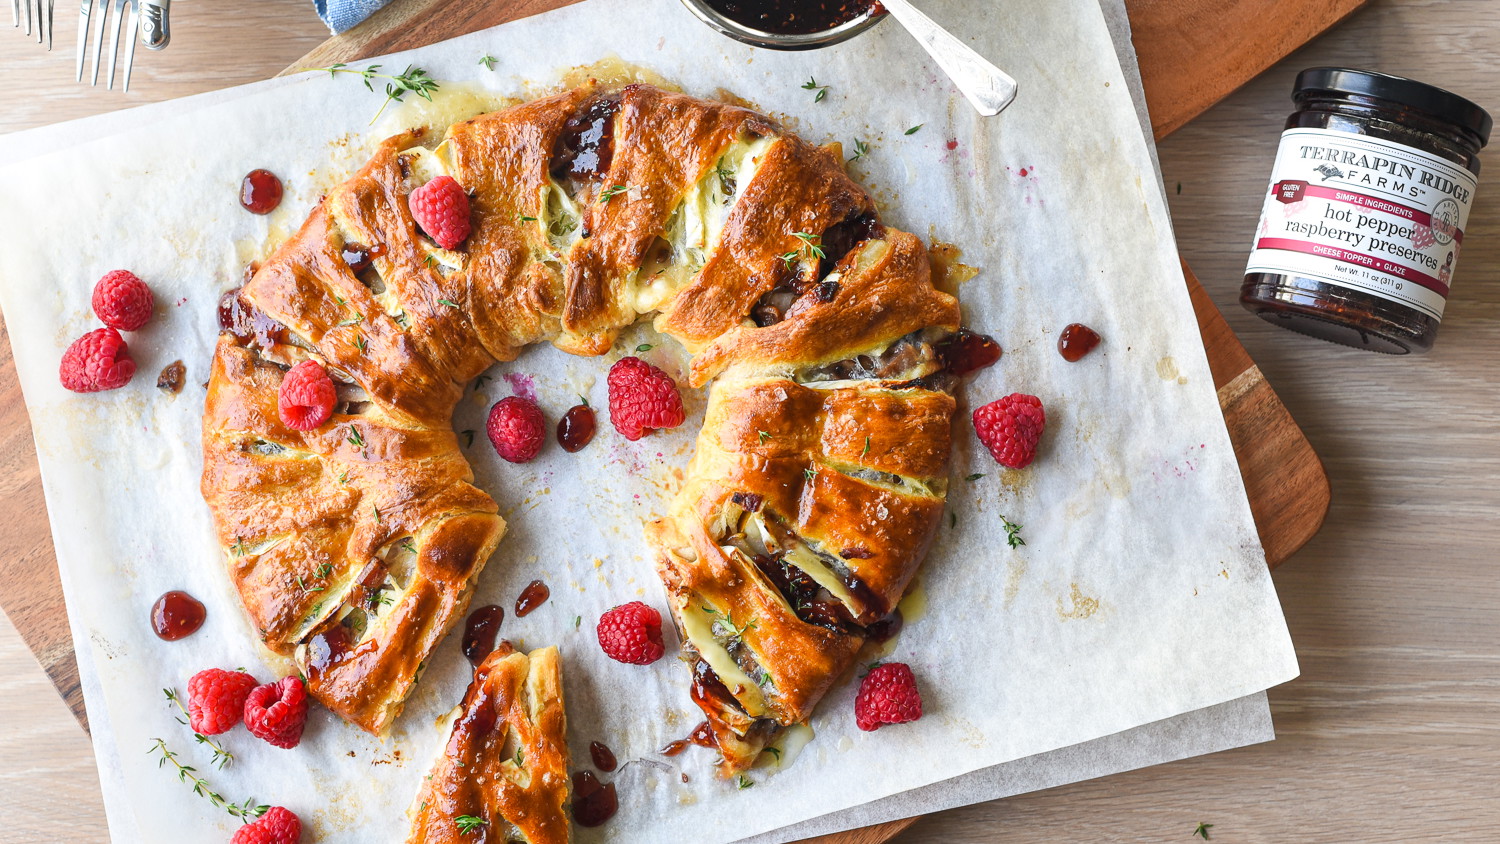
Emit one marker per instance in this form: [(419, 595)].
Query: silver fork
[(148, 18), (38, 17)]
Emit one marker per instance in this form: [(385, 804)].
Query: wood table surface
[(1393, 731)]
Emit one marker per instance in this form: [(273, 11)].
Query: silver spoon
[(987, 87)]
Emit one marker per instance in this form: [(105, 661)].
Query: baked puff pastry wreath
[(820, 471)]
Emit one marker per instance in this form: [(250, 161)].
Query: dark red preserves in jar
[(1367, 210)]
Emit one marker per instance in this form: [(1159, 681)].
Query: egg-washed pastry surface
[(821, 468), (502, 773)]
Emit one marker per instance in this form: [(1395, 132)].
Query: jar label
[(1364, 213)]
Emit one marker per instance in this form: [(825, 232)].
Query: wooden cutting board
[(1192, 53)]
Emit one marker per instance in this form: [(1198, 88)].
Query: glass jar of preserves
[(1369, 198)]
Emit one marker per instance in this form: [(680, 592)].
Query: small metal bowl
[(776, 41)]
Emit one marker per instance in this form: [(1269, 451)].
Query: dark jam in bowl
[(177, 615), (594, 802), (795, 17), (260, 192), (480, 632)]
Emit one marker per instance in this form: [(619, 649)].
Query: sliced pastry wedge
[(502, 775)]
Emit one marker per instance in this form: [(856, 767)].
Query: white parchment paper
[(1141, 595)]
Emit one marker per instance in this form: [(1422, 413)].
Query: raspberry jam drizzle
[(576, 429), (478, 721), (586, 146), (328, 649), (260, 192), (967, 352), (480, 632), (534, 595), (1076, 341), (702, 735), (359, 257), (594, 802), (177, 615), (249, 325), (603, 757), (886, 628)]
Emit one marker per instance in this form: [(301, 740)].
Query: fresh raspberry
[(276, 826), (441, 208), (216, 700), (307, 396), (277, 711), (631, 633), (642, 398), (1010, 428), (99, 360), (888, 695), (517, 429), (122, 301)]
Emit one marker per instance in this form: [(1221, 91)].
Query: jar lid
[(1444, 105)]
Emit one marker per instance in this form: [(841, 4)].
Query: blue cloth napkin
[(344, 14)]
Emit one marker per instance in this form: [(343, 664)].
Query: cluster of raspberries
[(218, 700), (642, 399), (100, 360)]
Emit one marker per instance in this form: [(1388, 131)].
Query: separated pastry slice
[(502, 775)]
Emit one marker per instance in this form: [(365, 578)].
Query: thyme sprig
[(861, 149), (413, 80), (811, 245), (245, 811), (812, 85), (1012, 533), (222, 756), (727, 621), (469, 823)]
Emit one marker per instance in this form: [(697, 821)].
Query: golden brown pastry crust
[(820, 472), (505, 760), (302, 515)]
